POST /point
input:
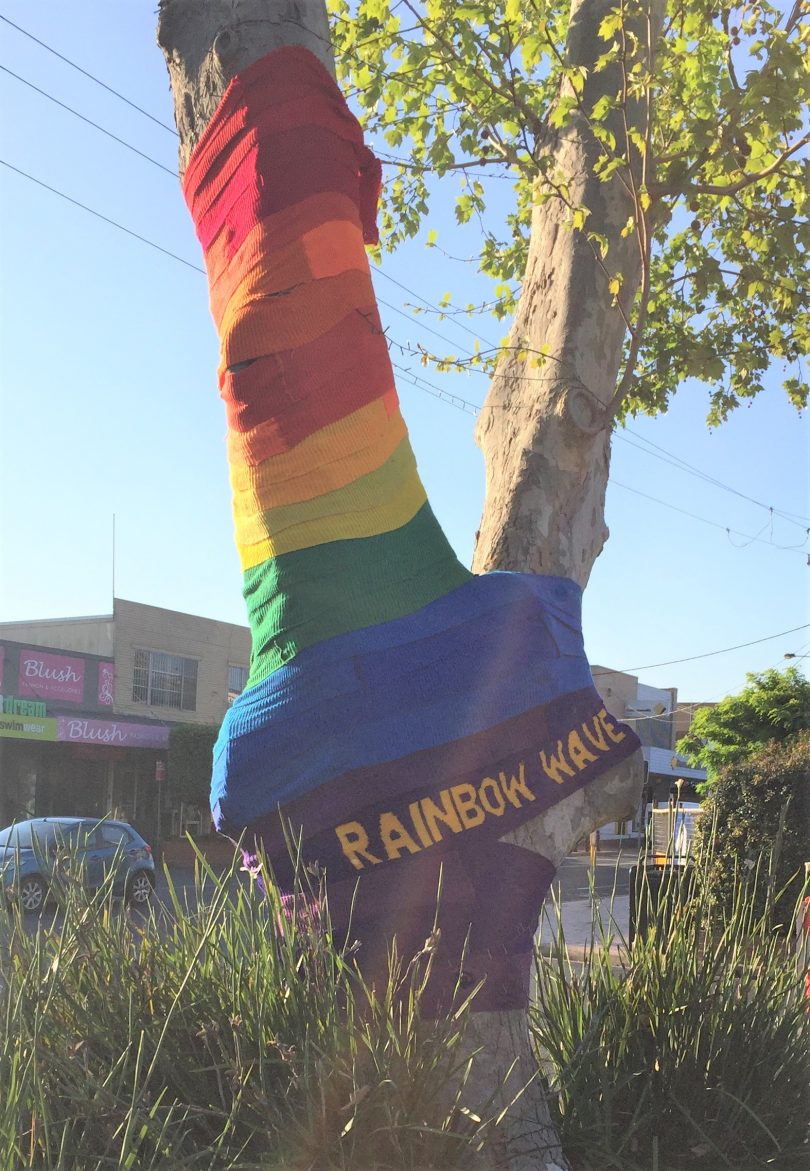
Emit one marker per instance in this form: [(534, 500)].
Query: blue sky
[(109, 401)]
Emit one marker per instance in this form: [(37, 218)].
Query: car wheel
[(139, 889), (31, 894)]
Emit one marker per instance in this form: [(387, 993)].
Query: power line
[(430, 305), (91, 76), (706, 655), (106, 219), (173, 173), (715, 524), (452, 400), (681, 464), (89, 121)]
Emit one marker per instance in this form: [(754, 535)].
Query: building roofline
[(183, 613), (47, 621)]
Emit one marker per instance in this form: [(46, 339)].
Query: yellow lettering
[(419, 825), (555, 765), (469, 810), (607, 723), (447, 814), (491, 797), (580, 755), (354, 844), (516, 784), (395, 838), (596, 735)]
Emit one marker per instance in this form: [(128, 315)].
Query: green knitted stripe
[(299, 599)]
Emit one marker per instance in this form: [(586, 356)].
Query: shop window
[(162, 680), (237, 679)]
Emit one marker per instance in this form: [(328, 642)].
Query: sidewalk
[(578, 927)]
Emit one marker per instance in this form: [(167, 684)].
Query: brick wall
[(213, 644)]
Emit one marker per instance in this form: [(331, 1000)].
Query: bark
[(545, 431), (547, 453), (207, 42)]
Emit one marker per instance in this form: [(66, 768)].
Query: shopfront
[(62, 750)]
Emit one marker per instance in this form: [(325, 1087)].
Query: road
[(611, 870), (572, 887)]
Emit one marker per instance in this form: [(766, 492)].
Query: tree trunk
[(545, 429), (546, 442)]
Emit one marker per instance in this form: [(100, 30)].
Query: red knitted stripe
[(267, 239), (280, 171), (281, 434), (289, 76), (257, 132), (302, 390)]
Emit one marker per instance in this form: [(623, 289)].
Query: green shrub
[(689, 1051), (759, 806), (220, 1036), (191, 751)]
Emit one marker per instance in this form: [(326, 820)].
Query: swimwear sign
[(25, 728), (50, 677)]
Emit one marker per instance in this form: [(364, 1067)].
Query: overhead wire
[(677, 462), (715, 524), (448, 397), (173, 173), (91, 76), (706, 655), (89, 121), (416, 380), (99, 216), (659, 452)]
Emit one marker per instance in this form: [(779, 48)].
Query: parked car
[(31, 852)]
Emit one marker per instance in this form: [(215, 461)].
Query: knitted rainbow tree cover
[(401, 714)]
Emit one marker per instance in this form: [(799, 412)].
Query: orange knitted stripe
[(270, 438), (326, 461), (271, 234), (265, 326), (326, 251)]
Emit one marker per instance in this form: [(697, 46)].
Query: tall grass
[(688, 1050), (229, 1034), (225, 1034)]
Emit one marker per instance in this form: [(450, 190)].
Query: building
[(659, 721), (88, 704)]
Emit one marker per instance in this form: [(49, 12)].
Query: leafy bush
[(773, 706), (755, 807), (191, 751), (221, 1036), (689, 1052)]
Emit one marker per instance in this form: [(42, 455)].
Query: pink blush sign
[(45, 676), (79, 730), (106, 675)]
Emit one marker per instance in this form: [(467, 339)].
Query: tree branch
[(741, 184)]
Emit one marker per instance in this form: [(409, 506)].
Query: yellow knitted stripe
[(324, 462), (367, 508)]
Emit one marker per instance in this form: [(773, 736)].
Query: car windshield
[(29, 835), (21, 836)]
